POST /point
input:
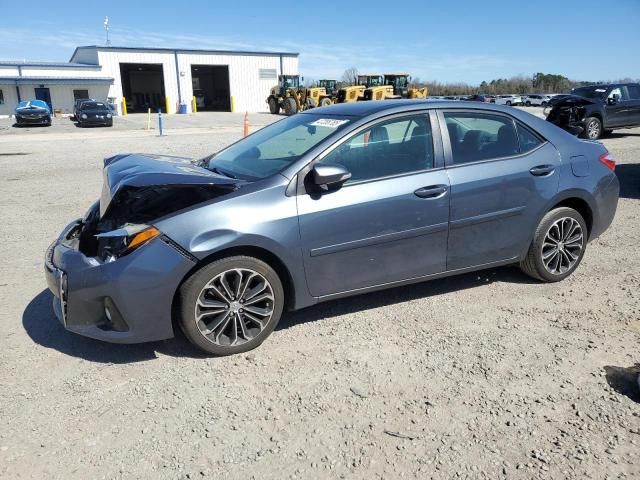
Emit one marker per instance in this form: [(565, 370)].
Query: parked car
[(94, 114), (328, 203), (597, 109), (78, 103), (508, 100), (33, 112), (478, 98), (536, 100)]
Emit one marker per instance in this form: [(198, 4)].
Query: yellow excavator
[(290, 96), (355, 93)]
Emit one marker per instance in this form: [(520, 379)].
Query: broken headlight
[(118, 243)]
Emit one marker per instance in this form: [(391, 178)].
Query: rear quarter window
[(528, 139)]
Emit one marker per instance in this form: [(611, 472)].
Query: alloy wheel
[(593, 129), (234, 307), (562, 246)]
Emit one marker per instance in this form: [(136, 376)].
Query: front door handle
[(432, 191), (542, 170)]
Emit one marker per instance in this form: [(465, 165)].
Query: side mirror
[(328, 176)]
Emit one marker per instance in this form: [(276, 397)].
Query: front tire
[(274, 108), (509, 102), (231, 305), (325, 102), (593, 128), (290, 106), (528, 103), (558, 246)]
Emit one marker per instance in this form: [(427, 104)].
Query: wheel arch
[(260, 253), (578, 200)]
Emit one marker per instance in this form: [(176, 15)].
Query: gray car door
[(389, 221), (502, 177)]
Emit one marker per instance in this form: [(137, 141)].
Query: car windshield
[(33, 103), (275, 147), (93, 106), (589, 92)]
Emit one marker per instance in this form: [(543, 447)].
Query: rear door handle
[(432, 191), (542, 170)]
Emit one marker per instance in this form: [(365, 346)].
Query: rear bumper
[(607, 200), (128, 300)]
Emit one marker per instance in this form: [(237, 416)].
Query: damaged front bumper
[(128, 300)]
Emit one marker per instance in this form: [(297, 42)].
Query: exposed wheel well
[(580, 206)]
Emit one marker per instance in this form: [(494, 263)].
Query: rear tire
[(528, 103), (233, 319), (290, 106), (558, 246), (274, 107), (509, 102), (593, 128)]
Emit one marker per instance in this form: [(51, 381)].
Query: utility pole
[(106, 31)]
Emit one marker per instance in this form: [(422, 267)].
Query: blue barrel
[(183, 108)]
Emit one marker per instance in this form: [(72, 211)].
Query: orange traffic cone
[(246, 123)]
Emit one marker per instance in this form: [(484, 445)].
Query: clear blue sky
[(448, 40)]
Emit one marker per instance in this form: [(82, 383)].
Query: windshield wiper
[(222, 172)]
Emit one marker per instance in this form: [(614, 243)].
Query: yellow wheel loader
[(401, 86), (376, 88), (292, 98), (355, 93)]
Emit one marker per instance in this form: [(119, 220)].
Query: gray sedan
[(328, 203)]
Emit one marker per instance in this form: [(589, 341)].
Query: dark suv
[(597, 109)]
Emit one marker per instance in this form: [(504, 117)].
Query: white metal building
[(155, 78)]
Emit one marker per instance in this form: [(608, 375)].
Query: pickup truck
[(597, 109)]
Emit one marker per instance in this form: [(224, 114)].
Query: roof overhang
[(184, 51), (56, 80)]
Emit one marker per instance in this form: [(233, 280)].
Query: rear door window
[(634, 92), (476, 136)]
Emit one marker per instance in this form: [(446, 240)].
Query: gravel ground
[(484, 375)]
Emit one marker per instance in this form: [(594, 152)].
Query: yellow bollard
[(233, 104), (148, 118), (167, 104), (124, 106), (194, 105)]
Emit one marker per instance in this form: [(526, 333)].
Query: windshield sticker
[(328, 122)]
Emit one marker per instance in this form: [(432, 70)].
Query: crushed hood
[(156, 175), (571, 100)]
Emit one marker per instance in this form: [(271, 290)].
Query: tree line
[(537, 83)]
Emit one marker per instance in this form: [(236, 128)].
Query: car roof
[(363, 109)]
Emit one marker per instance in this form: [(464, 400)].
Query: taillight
[(608, 161)]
